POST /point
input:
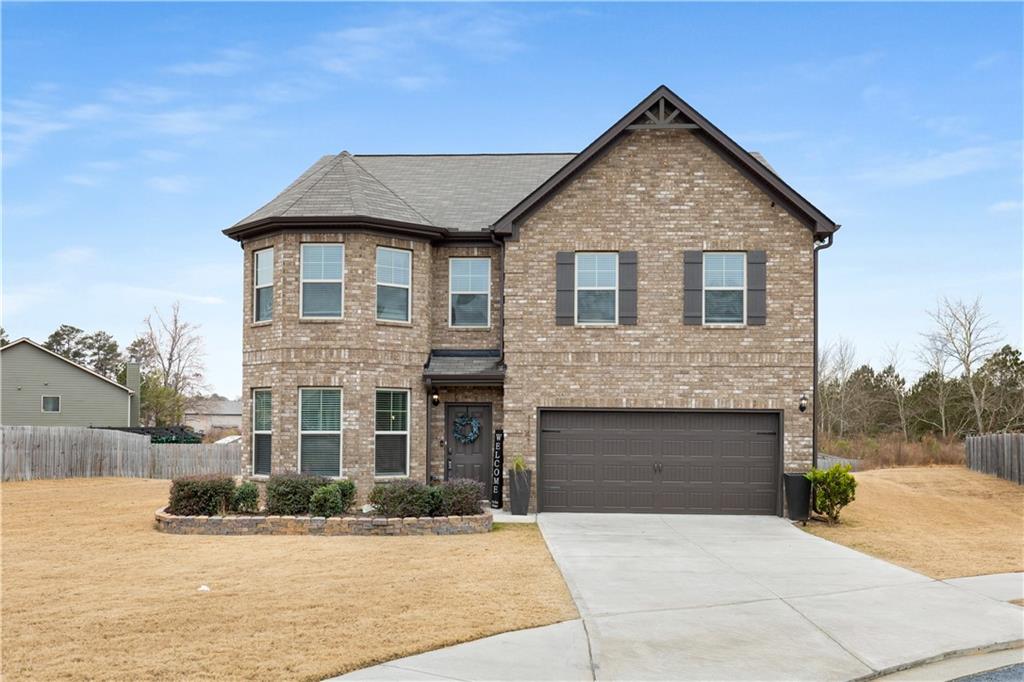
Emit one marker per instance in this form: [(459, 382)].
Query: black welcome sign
[(497, 468)]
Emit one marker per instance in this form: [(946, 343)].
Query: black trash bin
[(798, 496)]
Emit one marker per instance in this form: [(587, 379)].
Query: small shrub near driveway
[(290, 494), (460, 497), (333, 499), (834, 488), (246, 498), (402, 498), (201, 495)]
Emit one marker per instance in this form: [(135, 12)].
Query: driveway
[(724, 598)]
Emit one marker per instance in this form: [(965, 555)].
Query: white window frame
[(378, 283), (408, 429), (341, 426), (577, 288), (302, 280), (42, 404), (452, 294), (262, 433), (256, 286), (705, 288)]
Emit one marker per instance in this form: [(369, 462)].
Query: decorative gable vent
[(662, 114)]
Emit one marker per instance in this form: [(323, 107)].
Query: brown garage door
[(659, 462)]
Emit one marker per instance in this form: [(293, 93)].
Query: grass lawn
[(91, 591), (945, 522)]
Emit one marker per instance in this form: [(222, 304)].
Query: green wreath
[(466, 429)]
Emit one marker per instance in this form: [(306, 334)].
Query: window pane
[(469, 310), (261, 454), (321, 299), (264, 303), (321, 409), (264, 267), (470, 275), (393, 266), (392, 411), (723, 307), (322, 261), (392, 303), (595, 306), (51, 404), (597, 269), (321, 454), (724, 269), (261, 411), (389, 455)]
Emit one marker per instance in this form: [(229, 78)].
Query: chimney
[(133, 381)]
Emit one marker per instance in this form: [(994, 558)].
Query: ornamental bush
[(401, 498), (333, 499), (834, 488), (460, 497), (290, 494), (246, 499), (209, 495)]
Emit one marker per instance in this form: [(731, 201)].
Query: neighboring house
[(205, 415), (40, 388), (639, 319)]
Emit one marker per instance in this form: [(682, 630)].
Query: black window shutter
[(565, 288), (756, 287), (693, 287), (627, 287)]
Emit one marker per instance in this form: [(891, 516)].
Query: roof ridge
[(393, 192), (468, 154), (323, 174)]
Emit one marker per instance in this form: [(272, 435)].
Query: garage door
[(659, 462)]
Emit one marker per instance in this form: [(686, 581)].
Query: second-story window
[(394, 278), (263, 285), (597, 284), (323, 268), (725, 287), (469, 292)]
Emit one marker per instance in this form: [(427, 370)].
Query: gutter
[(818, 246)]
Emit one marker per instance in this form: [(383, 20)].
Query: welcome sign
[(497, 469)]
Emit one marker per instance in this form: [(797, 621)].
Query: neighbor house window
[(597, 283), (469, 292), (320, 431), (391, 446), (263, 284), (51, 403), (323, 267), (394, 274), (262, 432), (725, 281)]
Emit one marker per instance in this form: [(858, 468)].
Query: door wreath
[(466, 429)]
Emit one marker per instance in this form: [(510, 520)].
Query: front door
[(468, 441)]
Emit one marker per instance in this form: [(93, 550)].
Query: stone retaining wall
[(318, 525)]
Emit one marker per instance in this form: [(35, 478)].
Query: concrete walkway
[(723, 598)]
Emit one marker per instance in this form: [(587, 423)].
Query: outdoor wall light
[(435, 399), (803, 403)]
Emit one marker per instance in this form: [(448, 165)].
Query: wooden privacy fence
[(30, 452), (999, 454)]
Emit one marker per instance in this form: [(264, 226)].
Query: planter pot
[(519, 492), (798, 496)]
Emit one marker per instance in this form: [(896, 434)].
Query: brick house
[(638, 319)]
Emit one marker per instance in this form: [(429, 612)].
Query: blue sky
[(134, 133)]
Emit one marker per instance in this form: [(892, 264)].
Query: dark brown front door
[(468, 437)]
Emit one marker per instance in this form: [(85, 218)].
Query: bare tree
[(935, 362), (176, 350), (835, 367), (967, 337), (895, 387)]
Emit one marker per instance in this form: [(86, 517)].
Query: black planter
[(798, 496), (519, 492)]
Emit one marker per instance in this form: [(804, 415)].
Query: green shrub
[(834, 488), (210, 495), (246, 499), (402, 498), (333, 499), (460, 497), (290, 494)]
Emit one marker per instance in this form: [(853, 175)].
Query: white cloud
[(83, 180), (160, 155), (228, 63), (196, 121), (171, 184), (1005, 206), (150, 293), (74, 255), (940, 166), (838, 66)]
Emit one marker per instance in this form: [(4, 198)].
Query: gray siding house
[(40, 388)]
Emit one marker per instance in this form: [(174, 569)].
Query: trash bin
[(798, 496)]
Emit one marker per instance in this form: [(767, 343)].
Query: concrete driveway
[(723, 598)]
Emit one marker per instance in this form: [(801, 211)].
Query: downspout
[(818, 246), (501, 300), (429, 405)]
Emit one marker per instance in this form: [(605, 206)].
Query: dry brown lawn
[(91, 591), (945, 522)]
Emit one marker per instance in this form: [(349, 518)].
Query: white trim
[(451, 293), (42, 404), (577, 288), (255, 433), (341, 426), (302, 280), (377, 283), (406, 433), (32, 343), (705, 288), (256, 286)]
